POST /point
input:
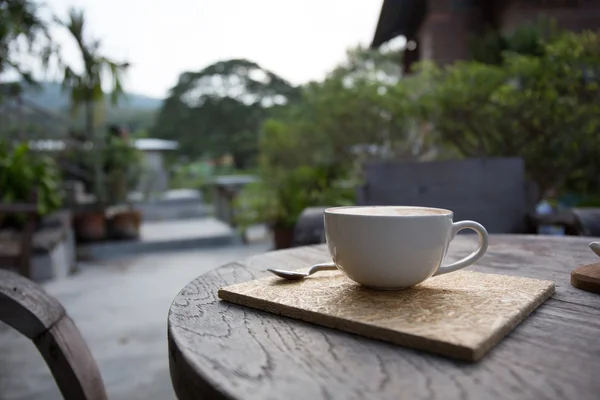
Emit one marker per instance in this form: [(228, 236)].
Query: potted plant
[(89, 224), (89, 221), (280, 196), (100, 220), (124, 223), (23, 171)]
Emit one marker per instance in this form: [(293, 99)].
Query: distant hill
[(47, 104), (51, 96)]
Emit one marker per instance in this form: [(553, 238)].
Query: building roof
[(399, 18), (152, 144), (234, 180)]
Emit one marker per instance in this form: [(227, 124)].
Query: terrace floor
[(120, 307)]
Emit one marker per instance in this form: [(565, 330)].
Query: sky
[(299, 40)]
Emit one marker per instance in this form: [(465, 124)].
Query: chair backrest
[(491, 191), (26, 307)]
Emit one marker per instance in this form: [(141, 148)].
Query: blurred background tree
[(219, 109)]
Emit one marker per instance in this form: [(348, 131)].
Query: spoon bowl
[(290, 275), (296, 276)]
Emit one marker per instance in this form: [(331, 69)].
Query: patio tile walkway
[(121, 309)]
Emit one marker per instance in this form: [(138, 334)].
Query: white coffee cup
[(395, 247)]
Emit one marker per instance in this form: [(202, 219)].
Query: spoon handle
[(322, 267)]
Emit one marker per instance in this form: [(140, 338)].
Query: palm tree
[(23, 31), (86, 87)]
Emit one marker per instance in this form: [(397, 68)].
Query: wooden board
[(587, 278), (461, 315)]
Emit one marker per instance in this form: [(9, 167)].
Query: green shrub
[(22, 170), (279, 200), (280, 196), (545, 109)]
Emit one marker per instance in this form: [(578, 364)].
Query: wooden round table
[(218, 350)]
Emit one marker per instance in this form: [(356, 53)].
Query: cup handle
[(474, 256)]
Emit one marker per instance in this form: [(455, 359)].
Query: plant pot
[(282, 237), (125, 225), (90, 226)]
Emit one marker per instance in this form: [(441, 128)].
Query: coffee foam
[(389, 211)]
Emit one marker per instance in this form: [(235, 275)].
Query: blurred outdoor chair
[(31, 311), (491, 191)]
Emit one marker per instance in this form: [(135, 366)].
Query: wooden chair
[(18, 254), (30, 310)]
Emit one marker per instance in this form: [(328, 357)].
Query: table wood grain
[(218, 350)]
